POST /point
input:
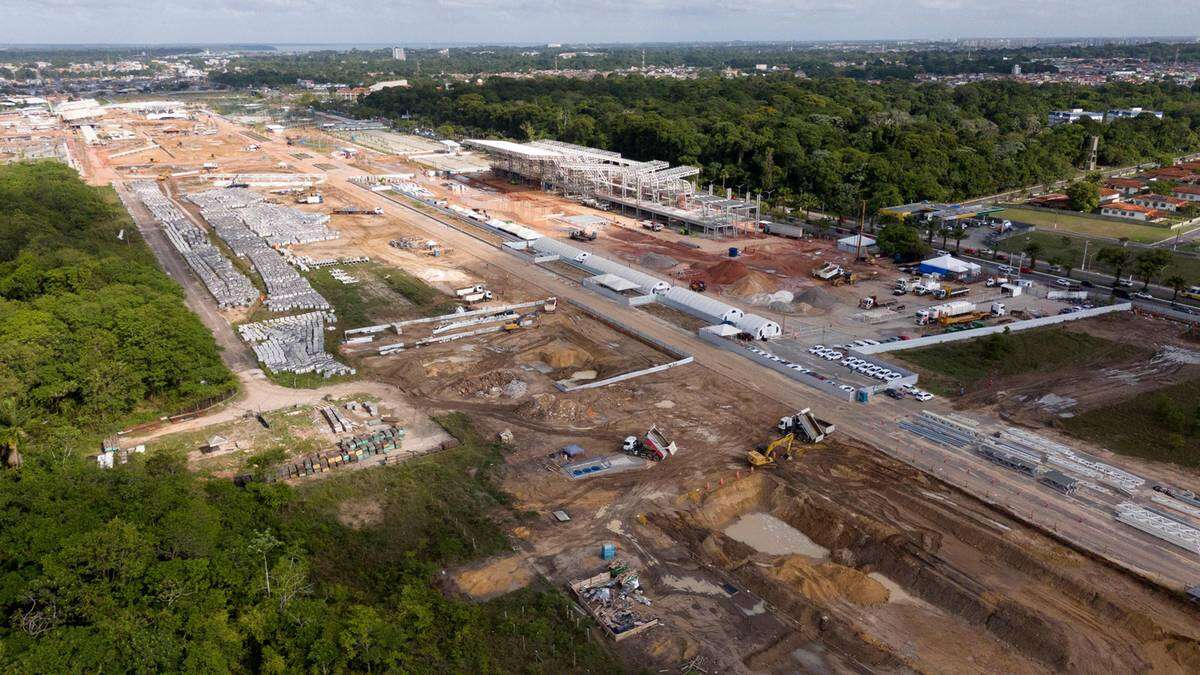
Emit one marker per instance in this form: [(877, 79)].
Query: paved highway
[(875, 424)]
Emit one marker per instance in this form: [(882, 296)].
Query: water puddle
[(767, 534)]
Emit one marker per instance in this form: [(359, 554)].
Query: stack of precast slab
[(293, 344), (228, 286), (226, 211)]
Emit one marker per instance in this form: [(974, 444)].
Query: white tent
[(950, 267), (850, 244)]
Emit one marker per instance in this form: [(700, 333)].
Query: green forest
[(92, 334), (150, 567), (820, 143)]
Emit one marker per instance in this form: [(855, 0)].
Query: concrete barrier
[(804, 378), (989, 330)]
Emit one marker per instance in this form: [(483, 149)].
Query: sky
[(538, 21)]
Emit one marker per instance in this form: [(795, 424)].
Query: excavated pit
[(886, 576)]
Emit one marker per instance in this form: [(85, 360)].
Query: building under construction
[(649, 189)]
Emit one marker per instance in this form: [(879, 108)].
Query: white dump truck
[(654, 445), (470, 290)]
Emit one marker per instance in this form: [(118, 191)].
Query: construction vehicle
[(470, 290), (651, 225), (873, 302), (845, 278), (511, 326), (949, 309), (827, 271), (291, 140), (992, 282), (698, 285), (943, 293), (310, 198), (997, 309), (805, 426), (550, 305), (765, 455), (654, 445), (473, 298), (358, 211), (583, 235)]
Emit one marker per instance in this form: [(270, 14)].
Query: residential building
[(399, 54), (1125, 186), (1109, 195), (388, 84), (1155, 201), (1190, 193), (1073, 115), (1130, 211)]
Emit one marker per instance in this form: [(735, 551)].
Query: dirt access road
[(1088, 528)]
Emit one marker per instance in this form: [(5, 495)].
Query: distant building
[(1016, 69), (444, 52), (388, 84), (1073, 115), (399, 54), (1130, 112), (1125, 186)]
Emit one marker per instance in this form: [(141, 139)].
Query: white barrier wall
[(988, 330)]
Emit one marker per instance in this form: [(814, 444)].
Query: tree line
[(817, 143)]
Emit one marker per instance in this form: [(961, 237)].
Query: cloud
[(506, 21)]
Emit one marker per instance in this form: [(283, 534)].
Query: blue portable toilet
[(733, 252), (862, 395), (608, 551)]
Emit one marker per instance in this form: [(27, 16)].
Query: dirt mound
[(726, 272), (754, 283), (829, 582), (493, 385), (817, 298), (494, 577), (548, 406), (560, 355), (359, 513), (658, 261)]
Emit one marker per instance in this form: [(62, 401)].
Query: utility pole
[(861, 221), (1083, 265)]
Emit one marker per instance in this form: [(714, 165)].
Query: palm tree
[(1151, 263), (1034, 249), (1117, 258), (12, 433), (958, 232), (1176, 283)]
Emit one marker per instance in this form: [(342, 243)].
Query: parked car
[(1065, 283), (1143, 295)]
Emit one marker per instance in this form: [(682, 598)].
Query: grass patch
[(307, 380), (1163, 425), (1083, 224), (428, 300), (970, 365), (353, 306), (1071, 249)]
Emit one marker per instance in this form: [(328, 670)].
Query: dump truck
[(470, 290), (937, 312), (698, 285), (845, 277), (654, 445), (472, 298), (827, 271), (583, 235), (806, 426), (651, 225)]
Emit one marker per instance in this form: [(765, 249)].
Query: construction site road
[(1086, 528), (236, 355)]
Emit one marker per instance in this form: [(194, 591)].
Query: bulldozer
[(845, 278), (766, 455)]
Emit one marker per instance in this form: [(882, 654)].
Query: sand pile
[(560, 355), (754, 283), (547, 406), (726, 272), (657, 261), (817, 298), (829, 582)]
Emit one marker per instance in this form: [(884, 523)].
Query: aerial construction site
[(731, 460)]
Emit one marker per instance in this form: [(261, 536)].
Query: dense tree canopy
[(91, 331), (824, 142)]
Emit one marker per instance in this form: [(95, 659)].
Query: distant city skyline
[(301, 22)]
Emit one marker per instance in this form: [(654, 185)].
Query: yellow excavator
[(766, 455)]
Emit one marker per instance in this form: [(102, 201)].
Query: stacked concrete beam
[(293, 344), (228, 286), (1159, 525), (286, 289)]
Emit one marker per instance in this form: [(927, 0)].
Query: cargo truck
[(654, 445), (949, 309)]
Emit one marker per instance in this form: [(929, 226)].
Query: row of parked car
[(871, 370), (798, 368)]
